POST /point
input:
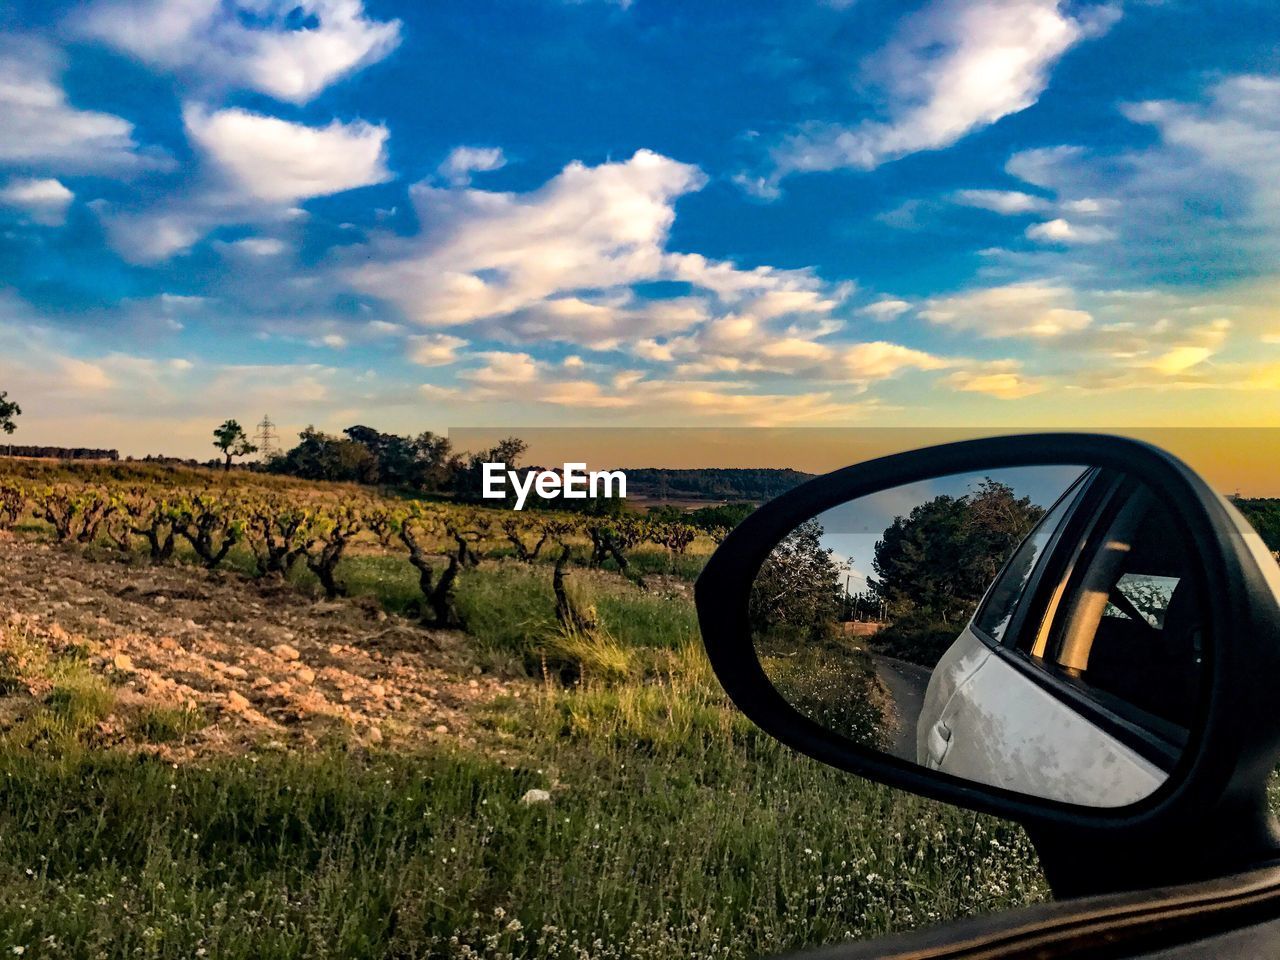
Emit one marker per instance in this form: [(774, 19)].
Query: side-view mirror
[(1069, 630)]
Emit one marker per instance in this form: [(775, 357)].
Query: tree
[(320, 456), (468, 476), (798, 593), (231, 439), (937, 561), (8, 410)]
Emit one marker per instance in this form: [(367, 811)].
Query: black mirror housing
[(1208, 818)]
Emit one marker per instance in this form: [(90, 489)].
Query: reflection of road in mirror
[(905, 685), (1032, 629)]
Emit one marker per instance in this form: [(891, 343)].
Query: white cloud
[(462, 162), (269, 159), (484, 254), (258, 246), (287, 49), (1034, 310), (253, 169), (39, 127), (878, 359), (1063, 231), (1007, 202), (885, 309), (519, 378), (83, 375), (954, 67), (1002, 379), (435, 350), (44, 200), (1236, 131)]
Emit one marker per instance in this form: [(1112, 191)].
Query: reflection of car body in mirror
[(1076, 678)]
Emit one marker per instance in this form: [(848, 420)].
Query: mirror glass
[(1038, 629)]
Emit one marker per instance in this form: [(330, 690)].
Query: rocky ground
[(259, 661)]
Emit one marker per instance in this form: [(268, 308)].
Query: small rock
[(239, 673), (377, 690), (477, 671), (535, 796), (441, 728), (305, 675), (373, 735), (122, 662), (263, 681), (236, 701), (285, 652)]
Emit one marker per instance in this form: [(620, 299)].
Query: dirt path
[(906, 683), (261, 660)]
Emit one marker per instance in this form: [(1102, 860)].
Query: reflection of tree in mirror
[(798, 590), (797, 604), (933, 565)]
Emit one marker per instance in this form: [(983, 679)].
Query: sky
[(1008, 213)]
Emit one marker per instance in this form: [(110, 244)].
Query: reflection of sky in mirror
[(852, 529)]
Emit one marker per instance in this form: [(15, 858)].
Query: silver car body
[(985, 720)]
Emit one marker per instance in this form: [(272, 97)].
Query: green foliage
[(797, 595), (156, 724), (1264, 514), (724, 516), (940, 559), (8, 410), (338, 855), (319, 456), (231, 439)]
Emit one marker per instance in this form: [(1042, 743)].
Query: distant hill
[(712, 483), (57, 453)]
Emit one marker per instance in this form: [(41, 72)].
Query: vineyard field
[(254, 717)]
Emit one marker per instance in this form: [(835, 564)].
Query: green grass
[(713, 845), (675, 828), (158, 724)]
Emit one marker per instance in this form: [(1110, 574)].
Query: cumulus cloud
[(44, 200), (39, 127), (1063, 231), (462, 162), (1007, 202), (885, 309), (286, 49), (435, 350), (953, 67), (252, 169), (1031, 309), (485, 254), (1002, 379), (519, 377), (265, 158)]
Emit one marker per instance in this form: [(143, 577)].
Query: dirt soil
[(265, 663)]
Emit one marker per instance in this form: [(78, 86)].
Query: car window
[(1133, 635), (998, 607)]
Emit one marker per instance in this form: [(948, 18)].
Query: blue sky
[(533, 212)]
